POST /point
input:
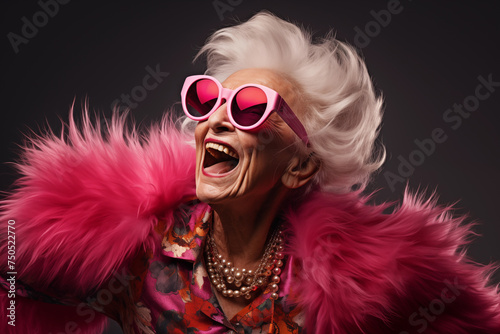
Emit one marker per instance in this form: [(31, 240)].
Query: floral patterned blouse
[(178, 293)]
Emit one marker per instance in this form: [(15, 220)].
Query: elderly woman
[(262, 232)]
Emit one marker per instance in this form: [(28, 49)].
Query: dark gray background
[(426, 59)]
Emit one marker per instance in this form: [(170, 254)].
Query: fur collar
[(368, 272)]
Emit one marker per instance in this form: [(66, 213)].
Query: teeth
[(221, 148)]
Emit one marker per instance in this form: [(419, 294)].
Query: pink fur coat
[(84, 205)]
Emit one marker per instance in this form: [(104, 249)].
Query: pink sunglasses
[(248, 106)]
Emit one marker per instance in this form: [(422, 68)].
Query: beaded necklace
[(235, 282)]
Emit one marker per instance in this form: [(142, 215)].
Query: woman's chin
[(210, 197), (213, 189)]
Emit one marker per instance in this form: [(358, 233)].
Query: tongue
[(221, 167)]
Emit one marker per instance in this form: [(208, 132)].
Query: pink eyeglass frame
[(275, 103)]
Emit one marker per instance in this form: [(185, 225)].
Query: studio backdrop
[(436, 65)]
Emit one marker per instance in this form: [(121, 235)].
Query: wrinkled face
[(236, 164)]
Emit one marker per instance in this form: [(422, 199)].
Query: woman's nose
[(219, 120)]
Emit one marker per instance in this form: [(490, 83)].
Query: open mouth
[(219, 158)]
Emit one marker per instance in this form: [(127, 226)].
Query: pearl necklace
[(233, 282)]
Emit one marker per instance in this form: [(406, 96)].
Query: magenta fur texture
[(406, 272), (86, 203)]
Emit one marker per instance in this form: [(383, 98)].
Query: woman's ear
[(300, 171)]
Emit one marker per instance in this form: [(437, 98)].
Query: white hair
[(343, 112)]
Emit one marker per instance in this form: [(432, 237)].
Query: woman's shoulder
[(364, 269)]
